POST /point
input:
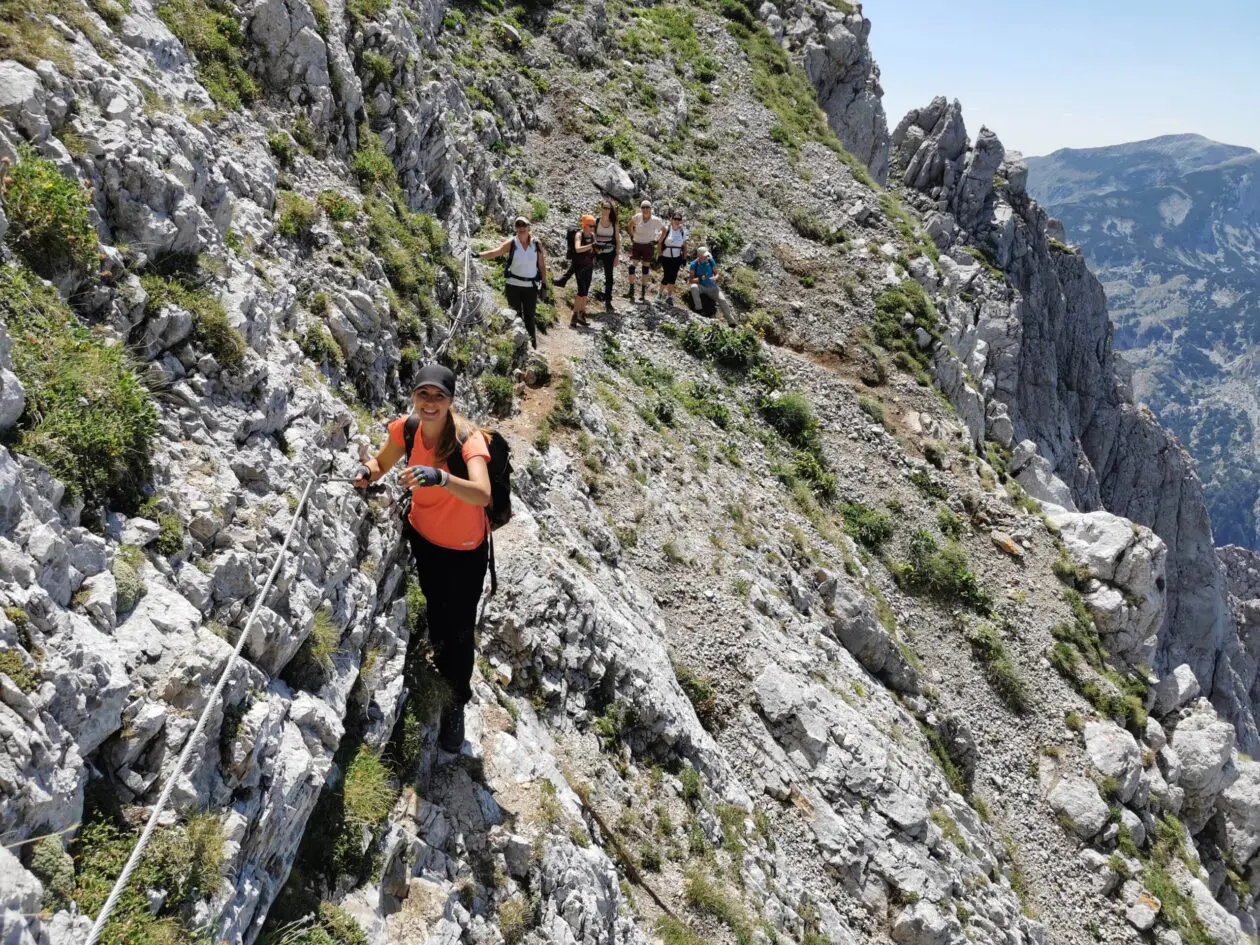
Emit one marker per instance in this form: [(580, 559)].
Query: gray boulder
[(1114, 753), (1174, 690), (1077, 801), (615, 182), (1204, 743), (875, 648), (923, 924), (1239, 806)]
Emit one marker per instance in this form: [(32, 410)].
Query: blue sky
[(1048, 74)]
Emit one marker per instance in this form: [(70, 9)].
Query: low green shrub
[(951, 525), (930, 488), (318, 344), (743, 288), (873, 409), (500, 391), (371, 165), (310, 667), (944, 573), (890, 308), (170, 539), (295, 216), (405, 242), (692, 786), (378, 67), (339, 208), (182, 863), (810, 467), (283, 148), (12, 664), (703, 697), (999, 669), (211, 328), (53, 867), (867, 526), (814, 228), (369, 794), (703, 400), (126, 571), (516, 918), (737, 348), (707, 898), (792, 415), (49, 224), (87, 417)]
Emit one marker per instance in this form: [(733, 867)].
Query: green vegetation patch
[(49, 224), (182, 862), (87, 416), (737, 348), (867, 526), (318, 344), (891, 306), (703, 697), (295, 216), (212, 32), (210, 326), (944, 573), (998, 667)]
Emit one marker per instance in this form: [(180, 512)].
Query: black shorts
[(583, 277), (669, 269)]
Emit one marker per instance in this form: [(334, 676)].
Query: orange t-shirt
[(438, 515)]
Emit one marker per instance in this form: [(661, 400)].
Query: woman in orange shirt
[(447, 528)]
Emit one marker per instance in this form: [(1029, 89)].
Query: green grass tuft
[(49, 225), (211, 328), (87, 416), (998, 667), (867, 526), (944, 573)]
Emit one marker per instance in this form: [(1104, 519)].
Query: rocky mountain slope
[(1171, 227), (826, 628)]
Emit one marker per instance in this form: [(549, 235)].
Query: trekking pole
[(133, 861)]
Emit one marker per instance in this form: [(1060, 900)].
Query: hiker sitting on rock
[(645, 230), (526, 274), (703, 277), (447, 527)]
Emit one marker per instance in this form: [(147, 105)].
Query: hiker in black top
[(583, 269), (607, 247), (446, 526), (526, 275)]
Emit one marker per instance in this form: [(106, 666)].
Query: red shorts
[(644, 252)]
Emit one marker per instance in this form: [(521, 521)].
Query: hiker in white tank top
[(526, 274)]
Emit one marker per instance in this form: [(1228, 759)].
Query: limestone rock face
[(1039, 344), (833, 48), (12, 396)]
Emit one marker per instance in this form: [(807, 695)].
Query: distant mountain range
[(1172, 228)]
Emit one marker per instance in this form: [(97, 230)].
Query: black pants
[(451, 581), (609, 260), (670, 266), (524, 301), (583, 276)]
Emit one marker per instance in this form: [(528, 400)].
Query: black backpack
[(570, 242), (499, 467)]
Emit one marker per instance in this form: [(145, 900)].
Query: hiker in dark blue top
[(703, 272)]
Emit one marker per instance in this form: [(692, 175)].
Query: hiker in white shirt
[(673, 251), (526, 274), (645, 232)]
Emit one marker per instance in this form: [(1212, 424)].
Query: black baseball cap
[(436, 375)]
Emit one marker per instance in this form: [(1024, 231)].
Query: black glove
[(362, 477), (421, 476)]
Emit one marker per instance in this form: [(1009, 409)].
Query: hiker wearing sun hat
[(702, 272), (645, 231), (526, 276)]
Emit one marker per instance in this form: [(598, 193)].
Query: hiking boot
[(608, 308), (630, 293), (669, 300), (451, 732), (643, 294)]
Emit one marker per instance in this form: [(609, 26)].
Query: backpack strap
[(457, 467), (409, 435)]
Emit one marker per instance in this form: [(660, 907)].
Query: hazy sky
[(1048, 74)]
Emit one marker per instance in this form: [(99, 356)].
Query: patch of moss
[(211, 328)]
